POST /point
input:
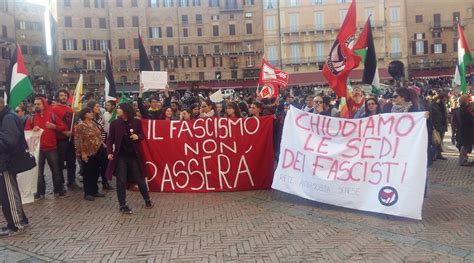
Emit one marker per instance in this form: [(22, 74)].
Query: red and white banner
[(271, 75), (375, 164), (209, 154)]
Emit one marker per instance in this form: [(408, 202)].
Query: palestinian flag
[(341, 59), (464, 58), (19, 86), (110, 90), (365, 49), (144, 61)]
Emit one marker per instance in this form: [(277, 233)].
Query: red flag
[(341, 60), (270, 74), (269, 90)]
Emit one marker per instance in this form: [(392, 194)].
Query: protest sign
[(154, 80), (27, 181), (375, 164), (209, 154)]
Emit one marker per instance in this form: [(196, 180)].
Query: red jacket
[(65, 114), (48, 138)]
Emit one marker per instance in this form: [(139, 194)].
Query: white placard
[(27, 181), (375, 164), (154, 80)]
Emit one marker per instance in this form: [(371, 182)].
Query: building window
[(69, 44), (320, 54), (169, 31), (87, 3), (184, 3), (395, 14), (121, 43), (248, 15), (342, 15), (436, 34), (213, 3), (123, 64), (233, 74), (319, 20), (134, 3), (218, 75), (249, 28), (270, 4), (168, 3), (231, 30), (217, 49), (103, 44), (272, 54), (294, 21), (99, 4), (87, 22), (4, 31), (185, 32), (153, 3), (170, 50), (438, 48), (369, 12), (201, 75), (119, 3), (270, 23), (293, 3), (184, 19), (135, 43), (215, 18), (456, 17), (120, 22), (250, 62), (67, 21), (87, 44), (437, 20), (420, 47), (317, 2), (185, 50), (200, 50), (135, 21), (215, 30), (196, 2), (102, 23), (419, 18), (157, 50), (155, 32), (295, 53), (198, 19), (37, 50), (199, 32), (67, 3)]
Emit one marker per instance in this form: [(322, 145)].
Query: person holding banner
[(371, 108), (125, 155), (232, 110), (208, 109), (88, 144), (154, 112), (255, 109), (11, 134)]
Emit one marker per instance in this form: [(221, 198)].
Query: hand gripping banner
[(375, 164), (209, 154)]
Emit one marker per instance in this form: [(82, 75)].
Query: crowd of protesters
[(104, 147)]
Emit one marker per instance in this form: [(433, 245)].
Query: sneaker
[(107, 187), (73, 186), (89, 198), (6, 232), (99, 195), (126, 210), (39, 196), (149, 204)]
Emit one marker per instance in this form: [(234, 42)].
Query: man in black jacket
[(155, 111), (11, 136)]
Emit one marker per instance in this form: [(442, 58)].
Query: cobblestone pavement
[(262, 226)]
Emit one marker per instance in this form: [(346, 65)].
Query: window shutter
[(109, 44), (432, 48), (64, 44), (83, 44), (425, 46), (94, 43), (150, 31), (423, 35), (75, 44), (413, 48), (444, 48), (414, 36)]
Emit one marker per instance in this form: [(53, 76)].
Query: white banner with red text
[(375, 164), (27, 181)]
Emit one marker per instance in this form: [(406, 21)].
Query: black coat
[(439, 117), (465, 121), (11, 136)]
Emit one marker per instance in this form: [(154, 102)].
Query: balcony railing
[(433, 64), (446, 24), (395, 55), (325, 27)]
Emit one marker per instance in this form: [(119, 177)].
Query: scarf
[(209, 114), (401, 108)]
